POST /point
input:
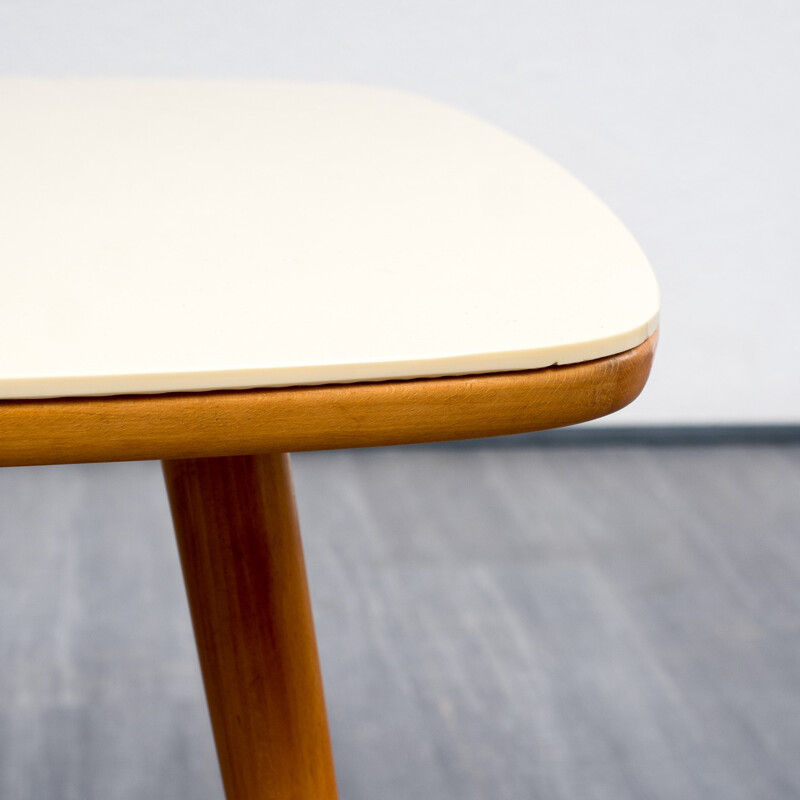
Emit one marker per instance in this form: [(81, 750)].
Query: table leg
[(239, 543)]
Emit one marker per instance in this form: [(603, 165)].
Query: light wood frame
[(286, 420), (232, 503)]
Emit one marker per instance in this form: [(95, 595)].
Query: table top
[(163, 236)]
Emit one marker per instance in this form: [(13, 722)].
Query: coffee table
[(216, 274)]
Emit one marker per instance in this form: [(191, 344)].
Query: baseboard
[(645, 436)]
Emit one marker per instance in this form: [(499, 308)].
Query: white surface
[(682, 116), (199, 235)]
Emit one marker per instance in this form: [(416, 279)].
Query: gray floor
[(494, 622)]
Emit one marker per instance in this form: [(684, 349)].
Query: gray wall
[(682, 116)]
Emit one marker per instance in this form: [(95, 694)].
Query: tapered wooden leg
[(242, 559)]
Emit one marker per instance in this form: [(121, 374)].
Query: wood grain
[(503, 623), (194, 425), (242, 560)]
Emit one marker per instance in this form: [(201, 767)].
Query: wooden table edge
[(332, 416)]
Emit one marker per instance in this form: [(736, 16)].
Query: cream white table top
[(174, 236)]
